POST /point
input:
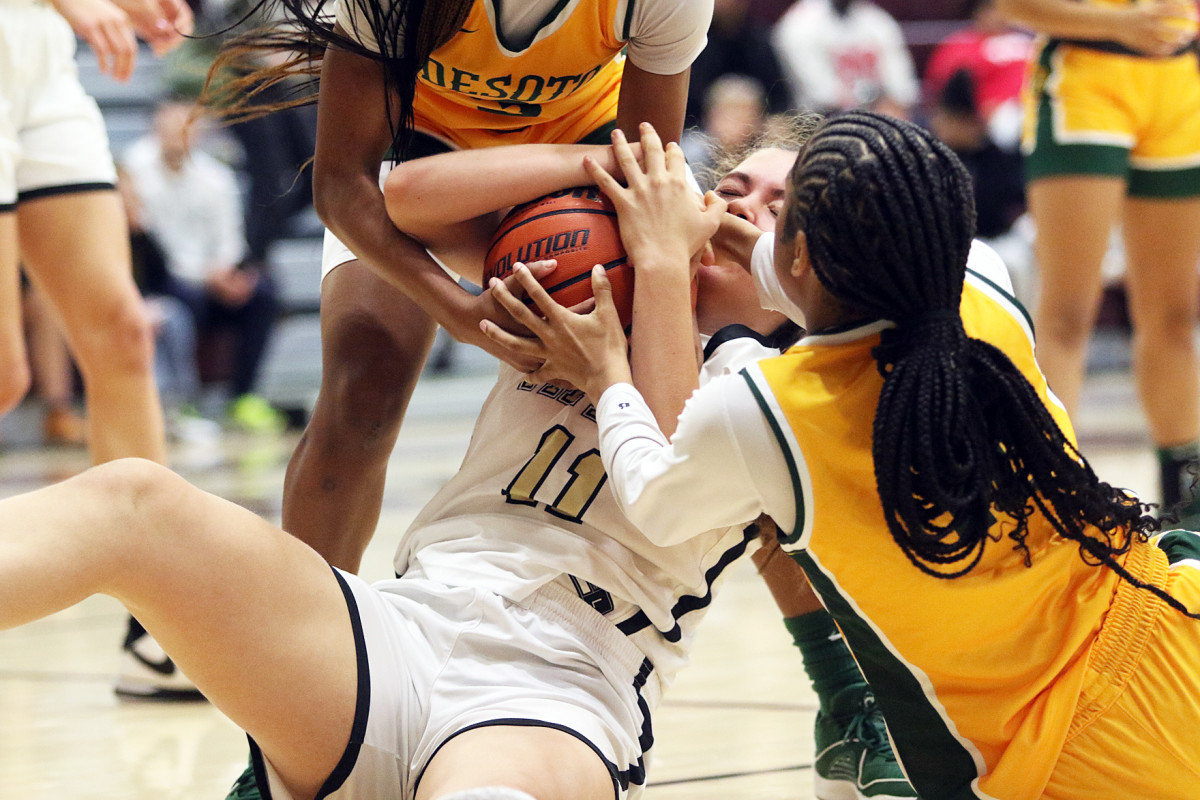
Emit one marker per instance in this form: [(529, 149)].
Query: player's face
[(754, 189), (755, 192)]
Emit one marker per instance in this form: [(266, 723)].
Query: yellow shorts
[(1089, 112), (1137, 730)]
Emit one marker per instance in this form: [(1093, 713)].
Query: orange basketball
[(578, 228)]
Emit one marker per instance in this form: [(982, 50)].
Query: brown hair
[(288, 53)]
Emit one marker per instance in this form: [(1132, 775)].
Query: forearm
[(664, 359), (1064, 18), (425, 195), (353, 209)]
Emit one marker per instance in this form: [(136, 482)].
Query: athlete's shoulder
[(735, 346)]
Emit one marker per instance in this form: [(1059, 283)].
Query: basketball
[(578, 228)]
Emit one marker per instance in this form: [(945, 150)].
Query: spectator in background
[(739, 44), (994, 54), (996, 173), (175, 366), (193, 208), (844, 54), (734, 114), (276, 148)]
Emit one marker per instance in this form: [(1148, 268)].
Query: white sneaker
[(148, 673)]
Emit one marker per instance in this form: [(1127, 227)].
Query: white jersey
[(531, 505)]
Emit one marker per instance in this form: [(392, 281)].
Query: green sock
[(827, 659), (1179, 473)]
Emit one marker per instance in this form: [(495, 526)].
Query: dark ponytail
[(960, 436), (289, 53)]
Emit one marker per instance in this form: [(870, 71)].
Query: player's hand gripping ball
[(578, 228)]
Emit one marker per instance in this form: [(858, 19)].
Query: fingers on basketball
[(576, 227)]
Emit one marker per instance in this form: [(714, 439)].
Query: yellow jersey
[(481, 88), (978, 702)]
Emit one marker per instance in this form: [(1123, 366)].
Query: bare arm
[(1156, 29), (660, 100), (109, 28), (452, 202), (353, 134)]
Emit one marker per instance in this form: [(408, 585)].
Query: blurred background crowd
[(226, 244)]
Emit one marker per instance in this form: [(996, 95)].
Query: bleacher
[(291, 370)]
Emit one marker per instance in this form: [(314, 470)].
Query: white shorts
[(437, 660), (52, 137)]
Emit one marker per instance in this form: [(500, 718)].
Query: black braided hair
[(960, 436), (303, 32)]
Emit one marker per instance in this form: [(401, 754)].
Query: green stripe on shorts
[(1050, 157), (1180, 545), (1165, 183)]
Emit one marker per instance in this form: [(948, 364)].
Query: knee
[(137, 487), (1167, 325), (1067, 324), (369, 373), (121, 339)]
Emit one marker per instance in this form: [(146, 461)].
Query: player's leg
[(257, 618), (1073, 216), (14, 368), (544, 762), (374, 342), (76, 251), (1162, 246), (849, 727)]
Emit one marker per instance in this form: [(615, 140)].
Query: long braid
[(960, 438), (303, 35)]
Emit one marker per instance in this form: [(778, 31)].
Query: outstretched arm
[(1156, 29), (109, 28)]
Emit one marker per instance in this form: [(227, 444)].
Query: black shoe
[(148, 674)]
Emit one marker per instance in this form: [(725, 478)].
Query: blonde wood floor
[(738, 723)]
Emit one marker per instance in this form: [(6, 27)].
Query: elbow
[(325, 201)]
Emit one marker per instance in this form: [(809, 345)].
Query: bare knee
[(1168, 326), (369, 374), (137, 488), (1065, 324), (119, 341)]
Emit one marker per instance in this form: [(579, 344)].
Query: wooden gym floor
[(738, 723)]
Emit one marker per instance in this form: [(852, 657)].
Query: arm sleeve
[(665, 36), (700, 480)]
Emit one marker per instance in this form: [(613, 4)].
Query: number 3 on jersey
[(587, 476)]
